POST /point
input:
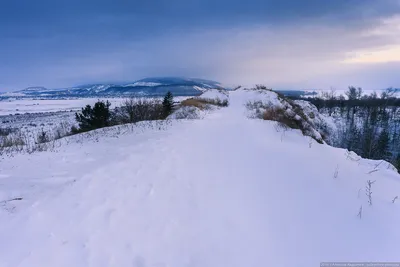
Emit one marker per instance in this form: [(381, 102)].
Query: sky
[(309, 44)]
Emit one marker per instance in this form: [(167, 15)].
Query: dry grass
[(279, 114), (191, 102)]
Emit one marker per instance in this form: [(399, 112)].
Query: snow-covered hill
[(223, 191), (144, 87)]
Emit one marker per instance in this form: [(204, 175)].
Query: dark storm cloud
[(41, 17), (59, 43)]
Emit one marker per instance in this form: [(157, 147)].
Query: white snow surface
[(149, 84), (215, 94), (222, 191)]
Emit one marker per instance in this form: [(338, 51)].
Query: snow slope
[(214, 94), (222, 191)]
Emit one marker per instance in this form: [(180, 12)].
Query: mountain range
[(144, 87)]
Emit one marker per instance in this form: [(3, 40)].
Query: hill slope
[(222, 191)]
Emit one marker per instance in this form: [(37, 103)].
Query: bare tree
[(368, 191)]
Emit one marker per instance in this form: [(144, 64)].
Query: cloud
[(281, 43)]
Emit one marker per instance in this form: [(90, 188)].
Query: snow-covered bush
[(268, 105), (7, 131), (133, 110), (42, 137), (185, 112), (214, 97)]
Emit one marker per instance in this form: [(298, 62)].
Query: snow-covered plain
[(222, 191), (21, 106)]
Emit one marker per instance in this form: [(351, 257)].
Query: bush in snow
[(262, 87), (216, 102), (12, 141), (203, 103), (280, 115), (93, 118), (133, 111), (42, 137), (7, 131), (269, 105), (196, 103), (292, 118), (185, 112)]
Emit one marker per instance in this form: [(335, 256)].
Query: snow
[(215, 94), (269, 98), (191, 113), (49, 105), (149, 84), (222, 191), (322, 122), (201, 89)]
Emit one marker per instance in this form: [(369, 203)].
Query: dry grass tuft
[(191, 102), (203, 103)]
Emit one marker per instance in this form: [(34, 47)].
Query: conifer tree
[(93, 118), (168, 103)]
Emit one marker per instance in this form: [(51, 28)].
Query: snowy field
[(21, 106), (30, 117), (222, 191)]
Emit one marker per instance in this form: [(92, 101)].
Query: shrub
[(279, 114), (218, 102), (74, 130), (62, 130), (202, 103), (186, 112), (93, 118), (262, 87), (42, 137), (7, 131), (14, 142), (11, 141), (139, 110)]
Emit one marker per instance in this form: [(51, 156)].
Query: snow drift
[(223, 191)]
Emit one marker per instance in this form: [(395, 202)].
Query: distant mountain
[(144, 87)]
